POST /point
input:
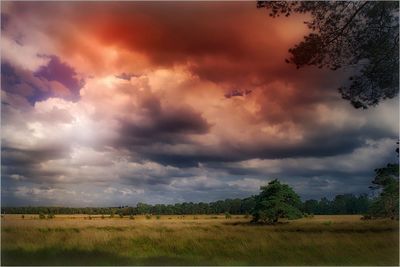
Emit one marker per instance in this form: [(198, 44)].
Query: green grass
[(172, 240)]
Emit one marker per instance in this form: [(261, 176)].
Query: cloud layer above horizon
[(108, 104)]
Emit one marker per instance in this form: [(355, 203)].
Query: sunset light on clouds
[(161, 102)]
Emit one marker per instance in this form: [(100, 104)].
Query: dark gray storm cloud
[(161, 125)]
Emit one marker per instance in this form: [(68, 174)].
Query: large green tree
[(386, 205), (276, 201), (362, 36)]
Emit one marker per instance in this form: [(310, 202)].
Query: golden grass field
[(197, 240)]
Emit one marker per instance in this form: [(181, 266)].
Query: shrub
[(131, 217), (121, 216), (366, 217), (42, 216), (246, 216), (228, 215), (158, 217), (327, 223), (23, 216), (148, 217), (307, 215), (112, 215), (102, 216)]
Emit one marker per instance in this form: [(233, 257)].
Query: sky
[(108, 104)]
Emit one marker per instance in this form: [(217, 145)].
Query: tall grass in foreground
[(173, 240)]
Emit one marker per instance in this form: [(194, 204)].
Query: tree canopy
[(276, 201), (361, 35)]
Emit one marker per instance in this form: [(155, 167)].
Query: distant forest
[(341, 204)]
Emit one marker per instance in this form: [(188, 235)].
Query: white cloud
[(24, 56)]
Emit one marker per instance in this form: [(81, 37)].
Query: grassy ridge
[(198, 240)]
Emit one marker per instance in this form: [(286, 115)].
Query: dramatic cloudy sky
[(114, 103)]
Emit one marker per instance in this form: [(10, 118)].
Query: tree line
[(341, 204)]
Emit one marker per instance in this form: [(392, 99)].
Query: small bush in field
[(131, 217), (327, 223), (158, 217), (121, 216), (112, 215), (50, 216), (308, 215), (90, 217), (23, 216), (228, 215), (366, 217), (102, 216), (148, 217), (246, 216), (42, 216)]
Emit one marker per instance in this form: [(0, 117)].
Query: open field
[(197, 240)]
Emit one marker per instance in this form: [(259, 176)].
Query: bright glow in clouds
[(161, 105)]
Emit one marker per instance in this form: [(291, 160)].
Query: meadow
[(197, 240)]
